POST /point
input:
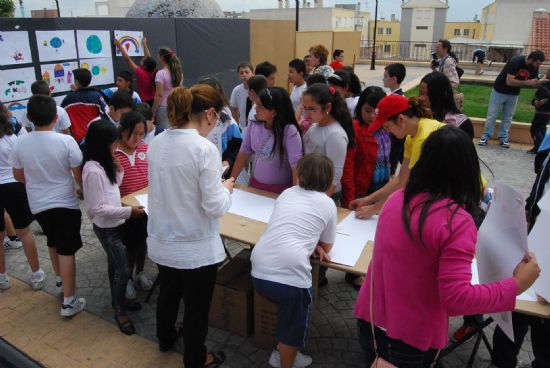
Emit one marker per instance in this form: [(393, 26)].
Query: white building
[(119, 8)]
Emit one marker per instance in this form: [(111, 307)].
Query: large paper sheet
[(252, 206), (59, 99), (93, 44), (131, 41), (539, 244), (502, 243), (352, 235), (55, 45), (15, 48), (15, 84), (142, 200), (59, 76), (544, 202), (18, 109), (102, 70)]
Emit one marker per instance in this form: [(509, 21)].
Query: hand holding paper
[(526, 272)]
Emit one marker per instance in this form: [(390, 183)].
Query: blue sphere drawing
[(56, 42), (93, 44)]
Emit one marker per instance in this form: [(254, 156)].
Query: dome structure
[(175, 9)]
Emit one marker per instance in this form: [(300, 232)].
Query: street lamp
[(297, 14), (373, 56), (57, 5)]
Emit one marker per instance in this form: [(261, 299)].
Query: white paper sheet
[(15, 84), (15, 48), (59, 76), (59, 99), (529, 295), (131, 41), (352, 235), (93, 44), (539, 244), (55, 45), (544, 202), (102, 70), (142, 200), (18, 109), (502, 243), (252, 206)]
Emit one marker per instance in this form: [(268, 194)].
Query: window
[(387, 48), (380, 30), (388, 31), (422, 45), (421, 27), (466, 32), (457, 32)]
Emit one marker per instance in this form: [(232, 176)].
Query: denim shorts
[(293, 310)]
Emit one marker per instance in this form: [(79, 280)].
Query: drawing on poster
[(15, 48), (102, 70), (131, 41), (59, 76), (15, 84), (18, 109), (55, 45), (93, 44)]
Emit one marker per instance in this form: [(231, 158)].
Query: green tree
[(7, 7)]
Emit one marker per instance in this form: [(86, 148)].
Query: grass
[(476, 100)]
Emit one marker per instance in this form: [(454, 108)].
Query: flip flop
[(126, 327), (217, 359)]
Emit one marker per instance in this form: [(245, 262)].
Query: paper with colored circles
[(93, 44), (56, 45), (102, 70)]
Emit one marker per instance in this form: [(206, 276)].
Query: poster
[(15, 48), (59, 76), (131, 41), (102, 70), (15, 84), (93, 44), (18, 109), (55, 45)]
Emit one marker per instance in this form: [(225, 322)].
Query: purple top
[(163, 76), (268, 168)]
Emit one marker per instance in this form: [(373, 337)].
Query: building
[(44, 13), (466, 30), (488, 15), (387, 36), (540, 31), (119, 8)]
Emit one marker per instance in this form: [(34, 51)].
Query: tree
[(7, 7)]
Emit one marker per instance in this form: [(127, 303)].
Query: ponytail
[(174, 65), (182, 103), (417, 108)]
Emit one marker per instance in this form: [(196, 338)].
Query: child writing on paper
[(303, 222)]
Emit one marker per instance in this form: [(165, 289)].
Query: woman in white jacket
[(186, 199)]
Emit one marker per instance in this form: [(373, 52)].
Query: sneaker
[(301, 360), (504, 144), (461, 333), (482, 142), (37, 281), (69, 310), (143, 282), (12, 244), (5, 283), (130, 290)]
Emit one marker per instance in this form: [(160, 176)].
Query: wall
[(488, 15), (304, 40), (474, 29), (440, 18), (311, 19), (406, 25), (422, 17), (513, 20), (350, 42)]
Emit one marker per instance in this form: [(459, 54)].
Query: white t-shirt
[(296, 95), (6, 146), (238, 100), (300, 219), (47, 158), (352, 103), (63, 121)]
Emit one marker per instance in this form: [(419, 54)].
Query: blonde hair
[(321, 52), (182, 103)]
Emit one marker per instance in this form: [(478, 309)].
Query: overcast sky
[(458, 9)]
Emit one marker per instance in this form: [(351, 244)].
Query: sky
[(459, 10)]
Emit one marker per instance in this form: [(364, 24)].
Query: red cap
[(387, 107)]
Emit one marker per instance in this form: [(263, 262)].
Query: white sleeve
[(336, 148), (233, 99), (75, 154), (216, 199), (63, 119), (329, 234), (14, 156)]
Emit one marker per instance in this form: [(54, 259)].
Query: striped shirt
[(135, 169)]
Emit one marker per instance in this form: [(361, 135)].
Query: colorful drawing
[(131, 41), (56, 45), (59, 76), (93, 44), (102, 70), (18, 109), (15, 84), (14, 48)]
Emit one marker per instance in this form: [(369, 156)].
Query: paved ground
[(333, 341)]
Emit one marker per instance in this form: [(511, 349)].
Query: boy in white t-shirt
[(303, 222), (46, 162), (63, 123), (239, 95), (296, 76)]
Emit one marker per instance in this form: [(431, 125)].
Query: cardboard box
[(232, 302)]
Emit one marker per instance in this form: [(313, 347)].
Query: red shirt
[(135, 174), (336, 65), (145, 84)]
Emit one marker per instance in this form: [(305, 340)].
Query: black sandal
[(126, 327), (217, 359)]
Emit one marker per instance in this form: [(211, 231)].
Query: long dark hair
[(100, 136), (347, 80), (324, 95), (371, 96), (171, 59), (440, 94), (448, 168), (277, 99), (6, 127), (128, 122)]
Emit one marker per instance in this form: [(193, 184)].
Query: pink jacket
[(417, 286)]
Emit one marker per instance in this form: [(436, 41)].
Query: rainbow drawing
[(128, 41), (16, 106)]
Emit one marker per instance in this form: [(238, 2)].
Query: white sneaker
[(12, 244), (69, 310), (130, 290), (37, 281), (5, 283), (144, 282), (300, 361)]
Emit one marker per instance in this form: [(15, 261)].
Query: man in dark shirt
[(541, 101), (519, 72)]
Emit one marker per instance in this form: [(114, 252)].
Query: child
[(256, 84), (152, 129), (309, 67), (239, 95), (269, 71), (132, 156), (63, 123), (145, 72), (304, 120), (296, 76), (84, 104), (124, 84), (48, 164), (101, 176), (541, 101), (303, 222), (13, 199), (166, 79), (348, 85), (337, 59), (394, 74), (119, 104)]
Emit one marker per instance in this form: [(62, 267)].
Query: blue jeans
[(508, 104)]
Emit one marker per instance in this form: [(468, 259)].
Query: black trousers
[(196, 286), (538, 128), (396, 153), (505, 352)]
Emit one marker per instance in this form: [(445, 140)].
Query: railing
[(422, 51)]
